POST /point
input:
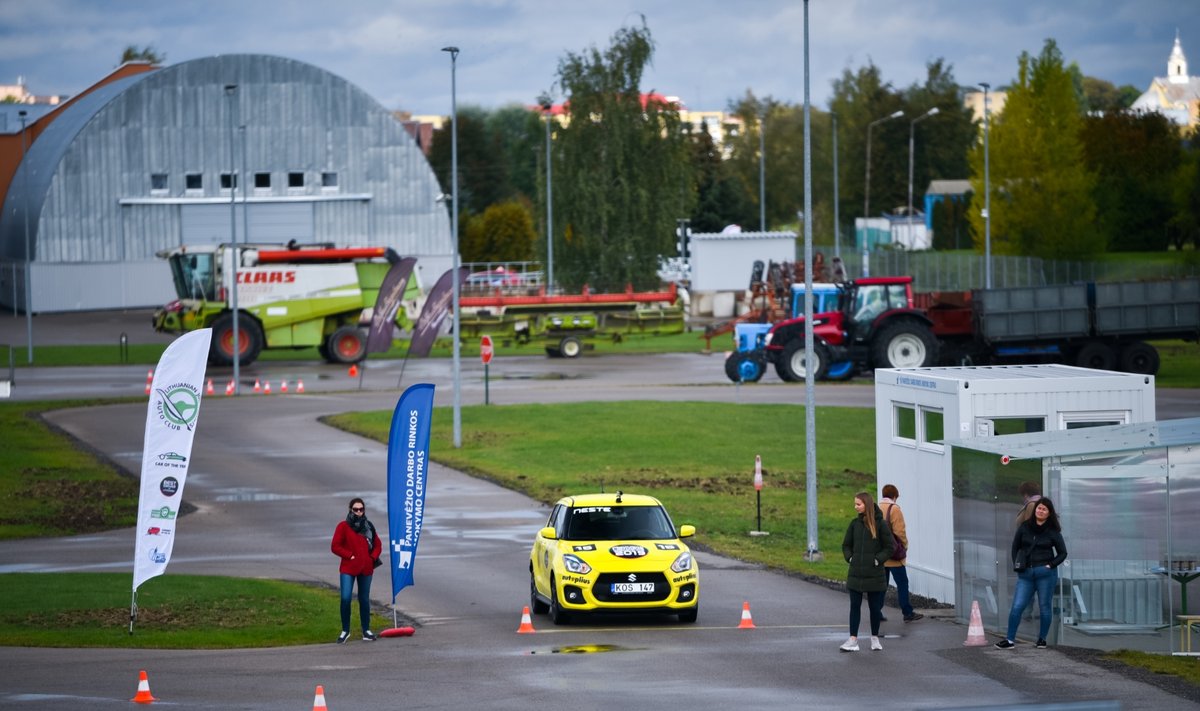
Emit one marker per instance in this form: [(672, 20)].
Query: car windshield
[(611, 523)]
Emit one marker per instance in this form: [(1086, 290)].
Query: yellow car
[(612, 553)]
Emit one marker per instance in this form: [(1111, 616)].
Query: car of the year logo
[(172, 456), (612, 553)]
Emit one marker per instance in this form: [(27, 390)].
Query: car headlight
[(576, 565), (682, 563)]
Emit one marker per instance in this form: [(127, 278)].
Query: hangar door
[(272, 222)]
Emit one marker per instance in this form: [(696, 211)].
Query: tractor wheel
[(348, 344), (744, 367), (1096, 355), (794, 362), (1139, 357), (250, 340), (904, 344)]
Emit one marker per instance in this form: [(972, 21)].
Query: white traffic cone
[(975, 636)]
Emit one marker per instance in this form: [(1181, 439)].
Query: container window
[(933, 435), (904, 423)]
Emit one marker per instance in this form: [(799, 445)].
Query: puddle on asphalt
[(585, 649), (541, 376)]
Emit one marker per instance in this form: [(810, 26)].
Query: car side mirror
[(687, 531), (548, 533)]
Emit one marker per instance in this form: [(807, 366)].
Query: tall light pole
[(837, 223), (987, 194), (813, 553), (762, 169), (866, 242), (454, 240), (547, 105), (231, 94), (912, 126), (28, 253)]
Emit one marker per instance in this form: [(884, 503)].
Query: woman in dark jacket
[(867, 546), (1040, 538), (357, 544)]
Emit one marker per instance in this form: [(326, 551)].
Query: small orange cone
[(300, 386), (147, 387), (975, 637), (526, 623), (267, 388), (257, 386), (209, 389), (229, 388), (747, 622), (319, 700), (283, 386), (354, 370), (143, 692)]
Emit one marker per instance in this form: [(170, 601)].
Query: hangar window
[(228, 179), (329, 182), (158, 183), (262, 181), (193, 183), (296, 179)]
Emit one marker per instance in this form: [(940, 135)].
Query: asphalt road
[(270, 482)]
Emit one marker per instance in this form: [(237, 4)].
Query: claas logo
[(267, 277)]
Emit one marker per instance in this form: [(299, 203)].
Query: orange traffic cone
[(257, 386), (354, 370), (267, 388), (300, 386), (319, 700), (143, 692), (147, 387), (975, 637), (747, 622), (208, 390), (526, 623), (283, 386), (229, 388)]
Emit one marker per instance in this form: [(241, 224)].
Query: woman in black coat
[(867, 546), (1039, 541)]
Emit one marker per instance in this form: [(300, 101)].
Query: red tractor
[(876, 326)]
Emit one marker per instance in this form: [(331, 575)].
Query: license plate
[(627, 588)]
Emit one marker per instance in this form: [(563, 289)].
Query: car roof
[(609, 500)]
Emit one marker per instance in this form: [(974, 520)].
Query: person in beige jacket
[(896, 568)]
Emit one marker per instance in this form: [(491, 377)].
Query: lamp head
[(453, 52), (898, 114), (932, 112)]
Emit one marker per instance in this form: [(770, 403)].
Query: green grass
[(1186, 668), (49, 486), (698, 458), (174, 612)]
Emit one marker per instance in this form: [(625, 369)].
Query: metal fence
[(940, 271)]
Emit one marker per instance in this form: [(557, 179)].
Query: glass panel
[(906, 422), (1017, 425), (932, 432)]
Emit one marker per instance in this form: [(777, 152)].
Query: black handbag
[(377, 562), (1021, 561)]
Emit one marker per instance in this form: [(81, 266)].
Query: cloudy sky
[(707, 51)]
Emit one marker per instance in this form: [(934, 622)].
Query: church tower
[(1177, 72)]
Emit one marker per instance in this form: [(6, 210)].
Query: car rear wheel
[(558, 615), (536, 606)]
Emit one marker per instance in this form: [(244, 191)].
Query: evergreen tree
[(1041, 199), (621, 169)]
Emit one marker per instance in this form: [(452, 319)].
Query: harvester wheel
[(570, 347), (250, 340), (347, 344)]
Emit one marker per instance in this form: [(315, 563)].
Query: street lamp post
[(866, 249), (912, 126), (813, 551), (837, 223), (28, 254), (762, 170), (546, 107), (987, 194), (231, 93), (454, 241)]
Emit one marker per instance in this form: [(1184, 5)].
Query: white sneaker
[(851, 645), (875, 645)]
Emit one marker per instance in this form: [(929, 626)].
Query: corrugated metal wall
[(99, 209)]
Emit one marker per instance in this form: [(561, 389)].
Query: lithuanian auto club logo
[(179, 405)]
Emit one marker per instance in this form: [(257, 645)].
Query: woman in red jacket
[(357, 544)]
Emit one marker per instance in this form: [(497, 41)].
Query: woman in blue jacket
[(1041, 544)]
